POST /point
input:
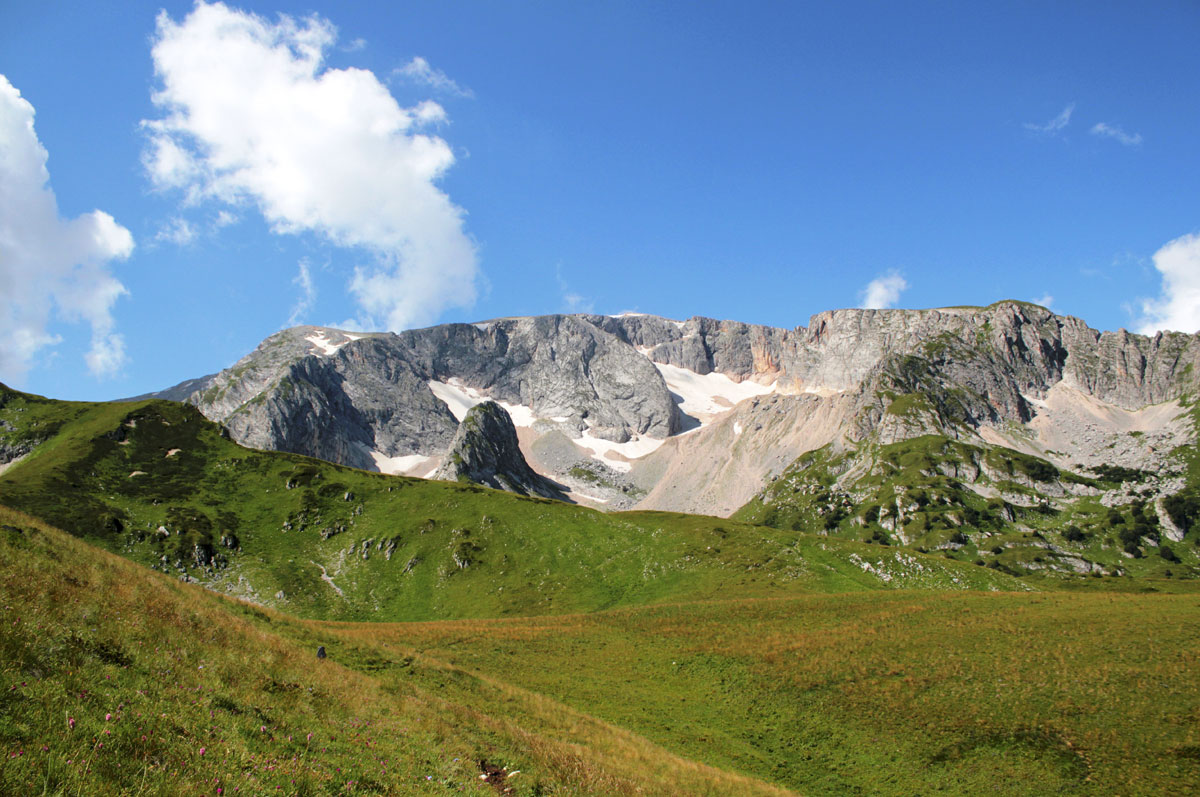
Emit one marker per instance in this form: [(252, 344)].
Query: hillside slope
[(122, 681), (157, 482)]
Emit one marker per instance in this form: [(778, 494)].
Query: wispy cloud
[(573, 302), (1178, 305), (178, 231), (1105, 130), (308, 295), (50, 267), (1045, 300), (883, 291), (363, 172), (420, 71), (1055, 125)]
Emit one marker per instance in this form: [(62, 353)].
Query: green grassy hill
[(117, 680), (120, 680), (159, 484)]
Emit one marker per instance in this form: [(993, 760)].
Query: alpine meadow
[(340, 451)]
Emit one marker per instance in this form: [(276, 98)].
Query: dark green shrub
[(1184, 508), (1074, 534)]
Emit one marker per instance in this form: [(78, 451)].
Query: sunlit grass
[(118, 680), (899, 693)]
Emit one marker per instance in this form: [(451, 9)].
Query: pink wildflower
[(202, 751)]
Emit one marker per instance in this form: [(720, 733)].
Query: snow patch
[(460, 398), (615, 454), (737, 428), (520, 414), (321, 341), (708, 394), (404, 465)]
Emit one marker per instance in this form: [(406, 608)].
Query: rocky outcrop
[(339, 402), (485, 451), (558, 366)]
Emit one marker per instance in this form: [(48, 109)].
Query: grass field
[(870, 693), (157, 483), (548, 649), (120, 680), (117, 680)]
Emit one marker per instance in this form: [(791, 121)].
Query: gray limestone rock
[(485, 451), (353, 398)]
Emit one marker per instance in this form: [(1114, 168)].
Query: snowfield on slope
[(705, 395)]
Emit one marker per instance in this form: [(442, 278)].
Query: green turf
[(158, 483), (872, 693)]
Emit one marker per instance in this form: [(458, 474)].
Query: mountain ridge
[(619, 408)]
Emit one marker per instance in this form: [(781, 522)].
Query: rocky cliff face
[(485, 451), (621, 390), (362, 400)]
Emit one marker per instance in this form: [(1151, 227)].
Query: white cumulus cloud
[(51, 268), (252, 116), (1105, 130), (883, 292), (1178, 306)]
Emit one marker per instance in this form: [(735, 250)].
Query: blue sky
[(396, 164)]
